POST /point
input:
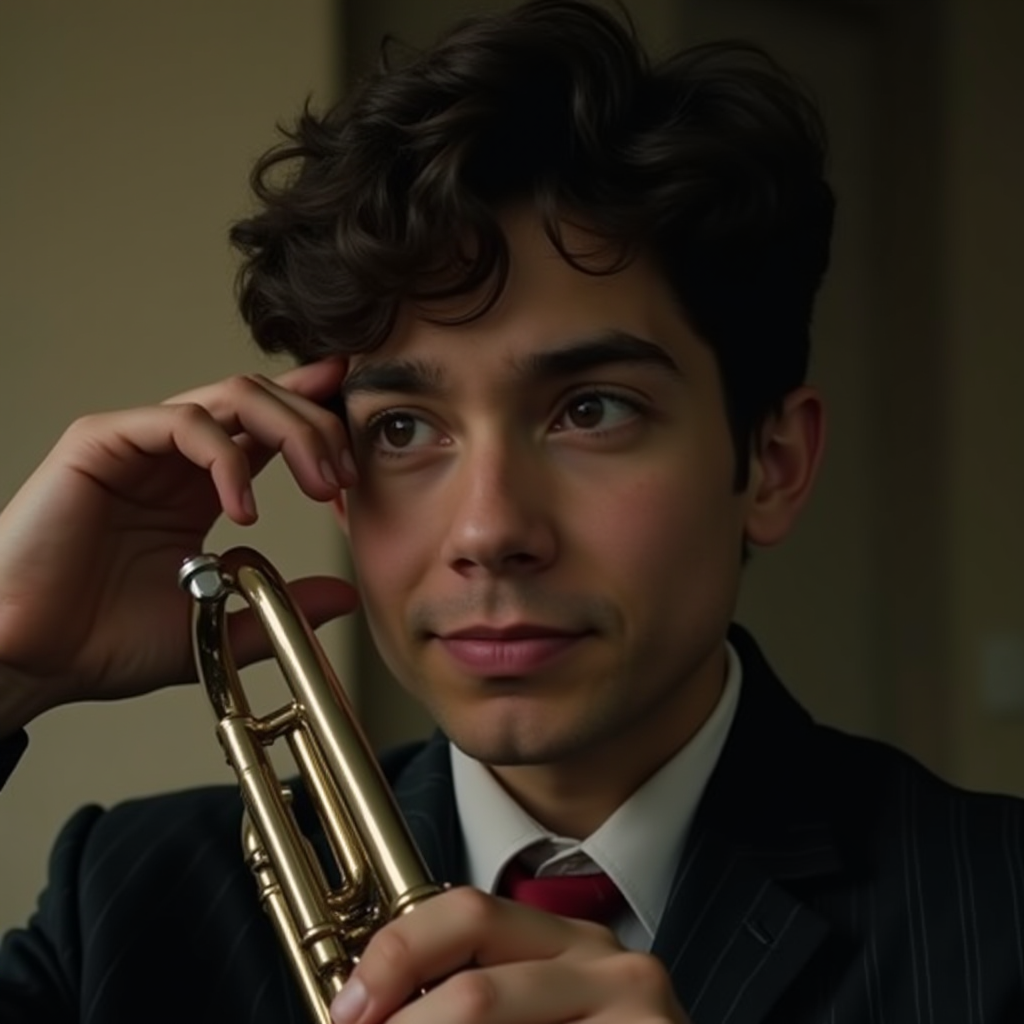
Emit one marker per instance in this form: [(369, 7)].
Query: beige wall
[(947, 375), (127, 130), (983, 275)]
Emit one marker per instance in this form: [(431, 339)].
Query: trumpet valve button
[(202, 578)]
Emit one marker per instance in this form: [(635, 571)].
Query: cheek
[(385, 554), (667, 532)]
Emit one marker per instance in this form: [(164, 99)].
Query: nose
[(502, 513)]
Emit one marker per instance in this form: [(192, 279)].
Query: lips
[(504, 652)]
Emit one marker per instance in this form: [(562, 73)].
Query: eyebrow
[(417, 377), (402, 376)]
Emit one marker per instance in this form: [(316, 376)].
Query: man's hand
[(479, 959), (91, 544)]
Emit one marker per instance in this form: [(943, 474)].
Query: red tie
[(593, 897)]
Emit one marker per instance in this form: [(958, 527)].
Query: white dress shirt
[(638, 846)]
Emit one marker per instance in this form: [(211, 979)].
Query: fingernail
[(249, 503), (327, 471), (348, 464), (349, 1003)]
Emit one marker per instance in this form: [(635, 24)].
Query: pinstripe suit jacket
[(829, 880)]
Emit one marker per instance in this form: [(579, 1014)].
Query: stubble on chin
[(519, 737)]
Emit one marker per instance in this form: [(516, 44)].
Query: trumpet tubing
[(323, 930)]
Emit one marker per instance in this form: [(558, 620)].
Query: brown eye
[(587, 412), (398, 431), (401, 433), (595, 413)]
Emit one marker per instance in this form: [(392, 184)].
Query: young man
[(564, 297)]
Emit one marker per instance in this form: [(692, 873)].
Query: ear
[(783, 467)]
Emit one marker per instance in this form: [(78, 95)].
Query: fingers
[(234, 427), (468, 958), (230, 430), (429, 947), (434, 941), (616, 986), (531, 992), (314, 381), (191, 431)]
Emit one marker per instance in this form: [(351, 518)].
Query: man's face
[(545, 532)]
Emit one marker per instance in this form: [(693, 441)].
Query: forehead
[(547, 308)]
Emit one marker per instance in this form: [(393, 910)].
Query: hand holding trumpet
[(486, 960)]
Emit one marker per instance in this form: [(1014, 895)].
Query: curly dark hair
[(711, 161)]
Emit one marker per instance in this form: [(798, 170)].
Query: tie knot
[(591, 897)]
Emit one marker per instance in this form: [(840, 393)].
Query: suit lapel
[(732, 938), (423, 788), (733, 935)]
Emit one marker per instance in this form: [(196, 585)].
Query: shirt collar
[(639, 845)]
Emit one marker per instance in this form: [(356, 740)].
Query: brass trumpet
[(323, 930)]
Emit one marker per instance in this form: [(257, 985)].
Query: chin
[(500, 753), (513, 743)]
